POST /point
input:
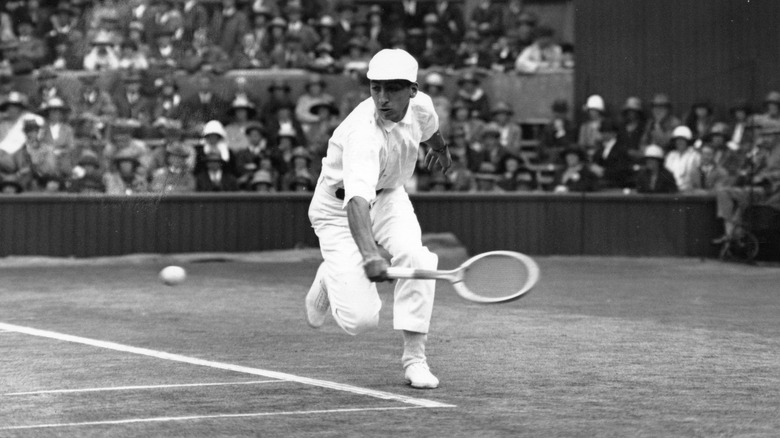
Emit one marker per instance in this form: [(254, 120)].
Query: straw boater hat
[(324, 103), (262, 176)]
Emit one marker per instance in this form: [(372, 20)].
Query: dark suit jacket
[(204, 184), (197, 112), (617, 165), (665, 182)]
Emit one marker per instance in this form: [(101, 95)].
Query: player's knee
[(357, 322)]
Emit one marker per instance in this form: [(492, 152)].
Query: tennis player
[(360, 201)]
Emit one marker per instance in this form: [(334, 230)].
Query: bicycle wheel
[(743, 246)]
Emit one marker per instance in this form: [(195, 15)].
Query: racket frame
[(456, 276)]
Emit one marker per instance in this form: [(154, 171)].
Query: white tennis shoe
[(317, 302), (419, 376)]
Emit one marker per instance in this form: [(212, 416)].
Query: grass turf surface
[(602, 347)]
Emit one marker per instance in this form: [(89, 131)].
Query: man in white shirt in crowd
[(360, 201)]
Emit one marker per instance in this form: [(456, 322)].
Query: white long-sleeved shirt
[(367, 153)]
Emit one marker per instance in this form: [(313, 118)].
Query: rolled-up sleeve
[(361, 167)]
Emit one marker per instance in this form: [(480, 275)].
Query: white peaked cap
[(682, 132), (392, 64), (595, 102)]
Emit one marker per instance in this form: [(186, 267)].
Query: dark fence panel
[(541, 224)]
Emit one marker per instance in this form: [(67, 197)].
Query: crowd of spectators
[(136, 137)]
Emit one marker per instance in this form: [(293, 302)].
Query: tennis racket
[(491, 277)]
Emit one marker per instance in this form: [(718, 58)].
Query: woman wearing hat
[(576, 176), (661, 123), (242, 112), (699, 120), (653, 177), (590, 129), (299, 167), (314, 93), (632, 127), (123, 176), (12, 136), (213, 177), (683, 159), (176, 176), (214, 142), (102, 56), (511, 136), (741, 136), (56, 130), (87, 176)]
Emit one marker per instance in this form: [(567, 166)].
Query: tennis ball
[(173, 275)]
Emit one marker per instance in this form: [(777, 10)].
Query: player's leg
[(396, 228), (352, 298)]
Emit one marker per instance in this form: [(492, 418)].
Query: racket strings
[(496, 276)]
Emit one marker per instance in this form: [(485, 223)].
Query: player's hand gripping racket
[(491, 277)]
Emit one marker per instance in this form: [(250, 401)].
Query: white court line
[(226, 366), (132, 388), (204, 417)]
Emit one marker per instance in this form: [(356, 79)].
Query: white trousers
[(354, 301)]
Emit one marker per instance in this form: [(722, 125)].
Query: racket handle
[(424, 274)]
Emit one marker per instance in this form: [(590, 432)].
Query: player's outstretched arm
[(360, 227), (437, 152)]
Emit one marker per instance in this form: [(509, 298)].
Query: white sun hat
[(392, 64)]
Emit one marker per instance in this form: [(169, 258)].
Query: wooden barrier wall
[(539, 224)]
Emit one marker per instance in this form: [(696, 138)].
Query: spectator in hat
[(314, 93), (203, 105), (342, 31), (299, 177), (12, 136), (167, 100), (462, 118), (214, 141), (164, 54), (12, 61), (741, 134), (710, 175), (228, 25), (120, 138), (6, 27), (576, 176), (94, 103), (357, 55), (632, 127), (10, 185), (474, 53), (436, 49), (195, 16), (769, 120), (261, 20), (683, 160), (263, 181), (504, 54), (56, 129), (205, 56), (47, 87), (486, 15), (450, 19), (250, 54), (102, 56), (501, 115), (87, 176), (36, 161), (558, 134), (589, 134), (513, 176), (213, 177), (137, 36), (129, 100), (176, 176), (131, 57), (653, 177), (169, 19), (323, 61), (473, 95), (65, 56), (279, 95), (486, 179), (724, 153), (241, 113), (124, 176), (248, 160), (699, 120), (61, 21), (320, 132), (30, 46), (277, 32), (377, 30), (285, 120), (661, 123), (306, 34), (291, 54), (358, 92), (459, 173), (488, 149), (543, 56), (514, 17), (611, 161), (433, 85)]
